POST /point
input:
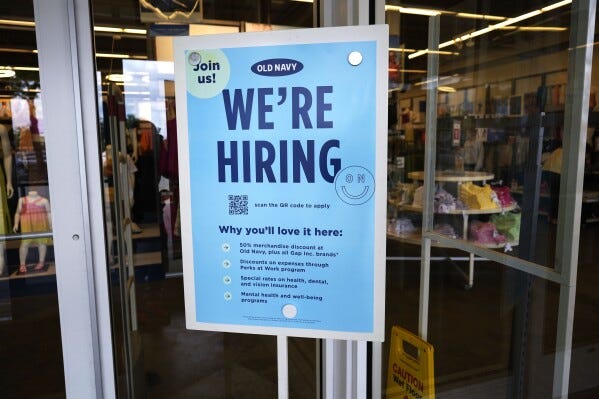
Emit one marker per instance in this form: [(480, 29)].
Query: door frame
[(67, 77)]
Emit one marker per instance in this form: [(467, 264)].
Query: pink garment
[(485, 233)]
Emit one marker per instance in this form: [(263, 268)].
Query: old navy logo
[(277, 67)]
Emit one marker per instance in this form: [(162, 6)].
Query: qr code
[(238, 204)]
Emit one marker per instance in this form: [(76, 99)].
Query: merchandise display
[(477, 197), (33, 216), (485, 233), (474, 199), (445, 202), (401, 226), (477, 94), (503, 195), (508, 224), (24, 167), (446, 230)]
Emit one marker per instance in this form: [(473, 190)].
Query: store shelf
[(416, 239), (147, 259), (412, 208), (49, 271), (456, 177)]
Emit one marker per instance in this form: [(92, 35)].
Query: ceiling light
[(431, 12), (16, 50), (402, 50), (446, 89), (490, 28), (16, 22), (137, 93), (556, 5), (118, 77), (418, 54), (114, 29), (427, 51), (413, 10), (134, 31), (107, 29), (479, 16), (511, 21), (7, 72), (107, 55), (542, 28), (22, 68), (535, 28), (413, 70), (130, 84)]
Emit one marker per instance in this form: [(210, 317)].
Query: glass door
[(155, 356), (484, 207), (31, 349)]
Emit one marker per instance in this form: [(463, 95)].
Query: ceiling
[(411, 29)]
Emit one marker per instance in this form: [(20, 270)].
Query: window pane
[(31, 351)]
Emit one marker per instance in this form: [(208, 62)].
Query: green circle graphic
[(208, 77)]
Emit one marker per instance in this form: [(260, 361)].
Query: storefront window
[(155, 354), (499, 121), (29, 320), (496, 101)]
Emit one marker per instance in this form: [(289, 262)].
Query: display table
[(459, 178)]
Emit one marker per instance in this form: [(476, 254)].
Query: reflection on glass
[(29, 320), (500, 122), (496, 112), (155, 355)]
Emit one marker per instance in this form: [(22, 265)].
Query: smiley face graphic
[(354, 185)]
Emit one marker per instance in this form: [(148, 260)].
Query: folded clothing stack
[(446, 230), (477, 197), (503, 195), (485, 233), (406, 193), (508, 224), (418, 197), (445, 202), (401, 226)]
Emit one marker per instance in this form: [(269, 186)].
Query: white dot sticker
[(354, 58), (289, 311), (194, 58)]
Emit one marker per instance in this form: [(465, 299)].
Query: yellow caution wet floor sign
[(411, 368)]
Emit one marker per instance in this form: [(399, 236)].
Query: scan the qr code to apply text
[(238, 204)]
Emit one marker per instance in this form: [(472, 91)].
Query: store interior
[(502, 95)]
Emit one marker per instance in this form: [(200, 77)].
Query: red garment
[(504, 196), (172, 160), (145, 137)]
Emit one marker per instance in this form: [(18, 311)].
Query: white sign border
[(378, 33)]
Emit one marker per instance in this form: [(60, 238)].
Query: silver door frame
[(67, 76)]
